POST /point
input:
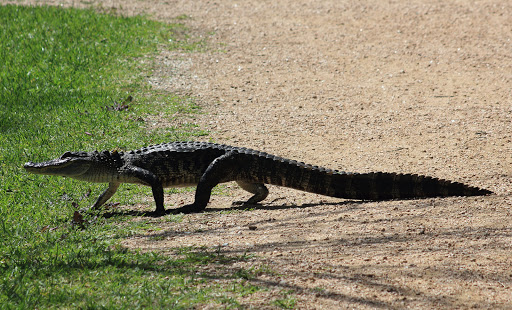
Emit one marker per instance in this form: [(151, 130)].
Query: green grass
[(65, 76), (288, 301)]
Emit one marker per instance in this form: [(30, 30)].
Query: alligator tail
[(364, 186), (384, 186)]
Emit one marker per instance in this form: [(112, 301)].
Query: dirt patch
[(403, 86), (417, 87)]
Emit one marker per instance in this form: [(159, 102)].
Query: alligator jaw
[(62, 167)]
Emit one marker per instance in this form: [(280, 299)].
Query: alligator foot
[(245, 204), (186, 209), (156, 213)]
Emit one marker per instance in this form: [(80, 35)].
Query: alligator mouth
[(68, 167)]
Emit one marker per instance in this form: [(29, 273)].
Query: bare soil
[(381, 85)]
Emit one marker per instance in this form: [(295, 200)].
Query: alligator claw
[(244, 204), (156, 213), (186, 209)]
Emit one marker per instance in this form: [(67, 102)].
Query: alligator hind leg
[(220, 170), (259, 190)]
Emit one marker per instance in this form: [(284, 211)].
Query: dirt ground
[(380, 85)]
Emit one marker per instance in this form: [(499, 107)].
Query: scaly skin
[(205, 164)]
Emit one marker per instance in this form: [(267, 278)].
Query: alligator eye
[(66, 155)]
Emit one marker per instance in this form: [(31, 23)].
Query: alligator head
[(70, 164)]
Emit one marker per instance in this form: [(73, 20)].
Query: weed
[(287, 302)]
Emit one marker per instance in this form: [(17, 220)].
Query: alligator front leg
[(220, 170), (112, 188), (148, 178)]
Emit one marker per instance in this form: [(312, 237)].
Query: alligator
[(205, 165)]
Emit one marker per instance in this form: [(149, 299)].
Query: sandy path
[(420, 87), (407, 86)]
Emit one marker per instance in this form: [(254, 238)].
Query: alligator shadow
[(129, 213), (243, 207), (258, 206)]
